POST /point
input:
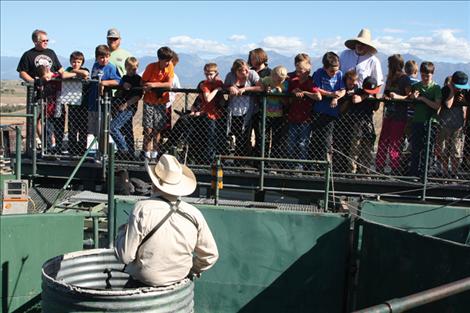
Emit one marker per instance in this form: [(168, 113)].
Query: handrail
[(418, 299)]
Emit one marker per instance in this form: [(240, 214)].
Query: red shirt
[(213, 109), (300, 109)]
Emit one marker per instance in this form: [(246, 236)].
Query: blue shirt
[(323, 81), (109, 72)]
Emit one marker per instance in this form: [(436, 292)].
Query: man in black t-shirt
[(39, 55)]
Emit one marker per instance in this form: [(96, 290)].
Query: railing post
[(18, 153), (263, 143), (327, 184), (33, 139), (217, 180), (111, 208), (30, 122), (426, 160)]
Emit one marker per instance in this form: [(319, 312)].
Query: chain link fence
[(364, 141)]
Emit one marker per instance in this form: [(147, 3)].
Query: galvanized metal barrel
[(93, 281)]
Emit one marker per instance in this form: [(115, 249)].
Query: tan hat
[(363, 37), (113, 33), (171, 177)]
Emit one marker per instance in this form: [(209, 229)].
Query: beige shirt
[(167, 257)]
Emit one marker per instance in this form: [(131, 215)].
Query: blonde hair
[(280, 71), (304, 65), (237, 65), (302, 57), (131, 61)]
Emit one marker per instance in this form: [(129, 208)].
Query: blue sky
[(433, 30)]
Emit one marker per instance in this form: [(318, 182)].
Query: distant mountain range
[(190, 68)]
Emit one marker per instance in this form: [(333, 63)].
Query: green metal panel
[(26, 242), (272, 261), (396, 263), (451, 223)]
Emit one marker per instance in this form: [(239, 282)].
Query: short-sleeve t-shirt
[(422, 111), (241, 105), (109, 72), (211, 108), (118, 58), (274, 105), (154, 74), (31, 59), (323, 81), (397, 110), (300, 109)]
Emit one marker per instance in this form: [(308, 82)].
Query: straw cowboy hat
[(363, 37), (171, 177)]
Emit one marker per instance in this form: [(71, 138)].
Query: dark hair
[(41, 69), (427, 67), (260, 55), (175, 59), (330, 59), (77, 55), (165, 53), (411, 67), (238, 64), (36, 33), (351, 74), (395, 66), (102, 50)]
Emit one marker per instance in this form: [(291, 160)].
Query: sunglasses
[(44, 40)]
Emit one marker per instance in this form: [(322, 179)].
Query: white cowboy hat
[(363, 37), (171, 177)]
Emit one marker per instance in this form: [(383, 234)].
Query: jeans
[(298, 140), (116, 124)]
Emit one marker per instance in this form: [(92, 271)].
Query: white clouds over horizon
[(440, 45)]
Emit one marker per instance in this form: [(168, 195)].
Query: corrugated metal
[(93, 280)]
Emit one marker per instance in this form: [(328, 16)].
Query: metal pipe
[(34, 149), (75, 170), (18, 153), (327, 185), (17, 115), (418, 299), (426, 160), (96, 234), (30, 127), (263, 145), (237, 157), (217, 181), (111, 208)]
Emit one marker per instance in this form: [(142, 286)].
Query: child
[(429, 95), (131, 95), (342, 132), (159, 74), (169, 106), (54, 113), (212, 110), (300, 110), (274, 84), (77, 114), (258, 61), (107, 76), (411, 70), (330, 84), (395, 116), (451, 119), (241, 108)]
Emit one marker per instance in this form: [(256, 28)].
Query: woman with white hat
[(163, 232)]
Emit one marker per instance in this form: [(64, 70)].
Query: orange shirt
[(211, 108), (153, 74)]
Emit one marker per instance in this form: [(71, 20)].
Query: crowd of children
[(324, 115)]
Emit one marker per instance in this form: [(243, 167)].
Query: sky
[(431, 30)]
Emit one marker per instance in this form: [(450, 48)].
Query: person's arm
[(430, 103), (209, 96), (25, 76), (129, 237), (205, 252)]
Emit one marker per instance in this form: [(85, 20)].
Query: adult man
[(118, 55), (118, 58), (361, 57), (164, 257), (39, 55)]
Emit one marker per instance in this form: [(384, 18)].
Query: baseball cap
[(113, 33), (369, 85), (460, 80)]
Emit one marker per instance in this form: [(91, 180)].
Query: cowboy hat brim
[(351, 44), (185, 187)]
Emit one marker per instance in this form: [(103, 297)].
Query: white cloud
[(441, 45), (320, 47), (393, 30), (282, 44), (236, 37), (197, 45)]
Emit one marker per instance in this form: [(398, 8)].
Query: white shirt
[(365, 65), (167, 257), (176, 84)]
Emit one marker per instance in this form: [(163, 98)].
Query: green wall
[(26, 242)]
